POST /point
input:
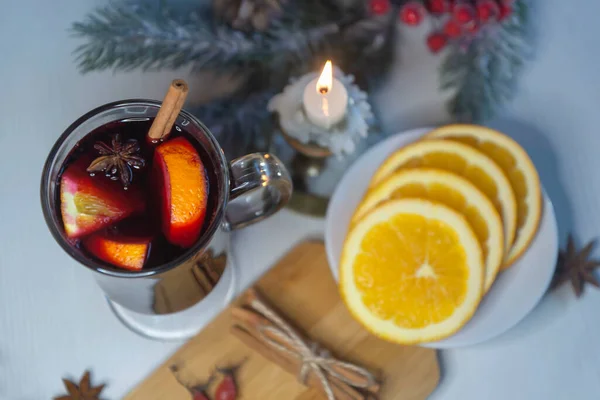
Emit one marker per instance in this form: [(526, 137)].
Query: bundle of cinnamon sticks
[(262, 329)]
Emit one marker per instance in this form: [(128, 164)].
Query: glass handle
[(260, 186)]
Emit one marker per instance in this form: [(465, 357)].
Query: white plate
[(516, 290)]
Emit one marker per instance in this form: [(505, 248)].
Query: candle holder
[(317, 157)]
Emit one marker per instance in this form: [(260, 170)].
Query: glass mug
[(174, 300)]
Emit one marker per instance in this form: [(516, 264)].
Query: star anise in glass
[(118, 159), (576, 266), (83, 391)]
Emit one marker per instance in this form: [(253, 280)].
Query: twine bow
[(283, 338)]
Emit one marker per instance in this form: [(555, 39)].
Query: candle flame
[(325, 82)]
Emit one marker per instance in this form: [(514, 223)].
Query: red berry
[(436, 42), (438, 6), (487, 9), (463, 13), (412, 13), (379, 7), (505, 11), (227, 389), (452, 29), (198, 395)]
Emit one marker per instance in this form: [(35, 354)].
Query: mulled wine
[(134, 204), (152, 220)]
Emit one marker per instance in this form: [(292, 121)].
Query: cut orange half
[(519, 169), (462, 160), (453, 191), (411, 271)]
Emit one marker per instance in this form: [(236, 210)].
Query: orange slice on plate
[(462, 160), (453, 191), (519, 169), (411, 271)]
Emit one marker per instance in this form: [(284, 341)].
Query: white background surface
[(54, 321)]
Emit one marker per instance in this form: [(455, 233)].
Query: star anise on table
[(83, 391), (576, 266), (117, 160)]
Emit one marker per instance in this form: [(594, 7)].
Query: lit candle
[(325, 99)]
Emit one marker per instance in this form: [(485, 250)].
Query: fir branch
[(136, 35), (484, 72), (240, 124)]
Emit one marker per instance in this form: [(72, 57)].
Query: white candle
[(325, 99)]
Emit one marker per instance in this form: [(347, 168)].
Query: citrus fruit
[(89, 204), (182, 187), (453, 191), (124, 252), (519, 170), (462, 160), (411, 271)]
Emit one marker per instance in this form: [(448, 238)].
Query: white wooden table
[(54, 321)]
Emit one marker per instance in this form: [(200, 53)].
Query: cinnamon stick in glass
[(169, 110)]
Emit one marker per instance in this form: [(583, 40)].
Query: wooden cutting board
[(302, 288)]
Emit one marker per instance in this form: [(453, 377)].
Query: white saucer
[(516, 290)]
